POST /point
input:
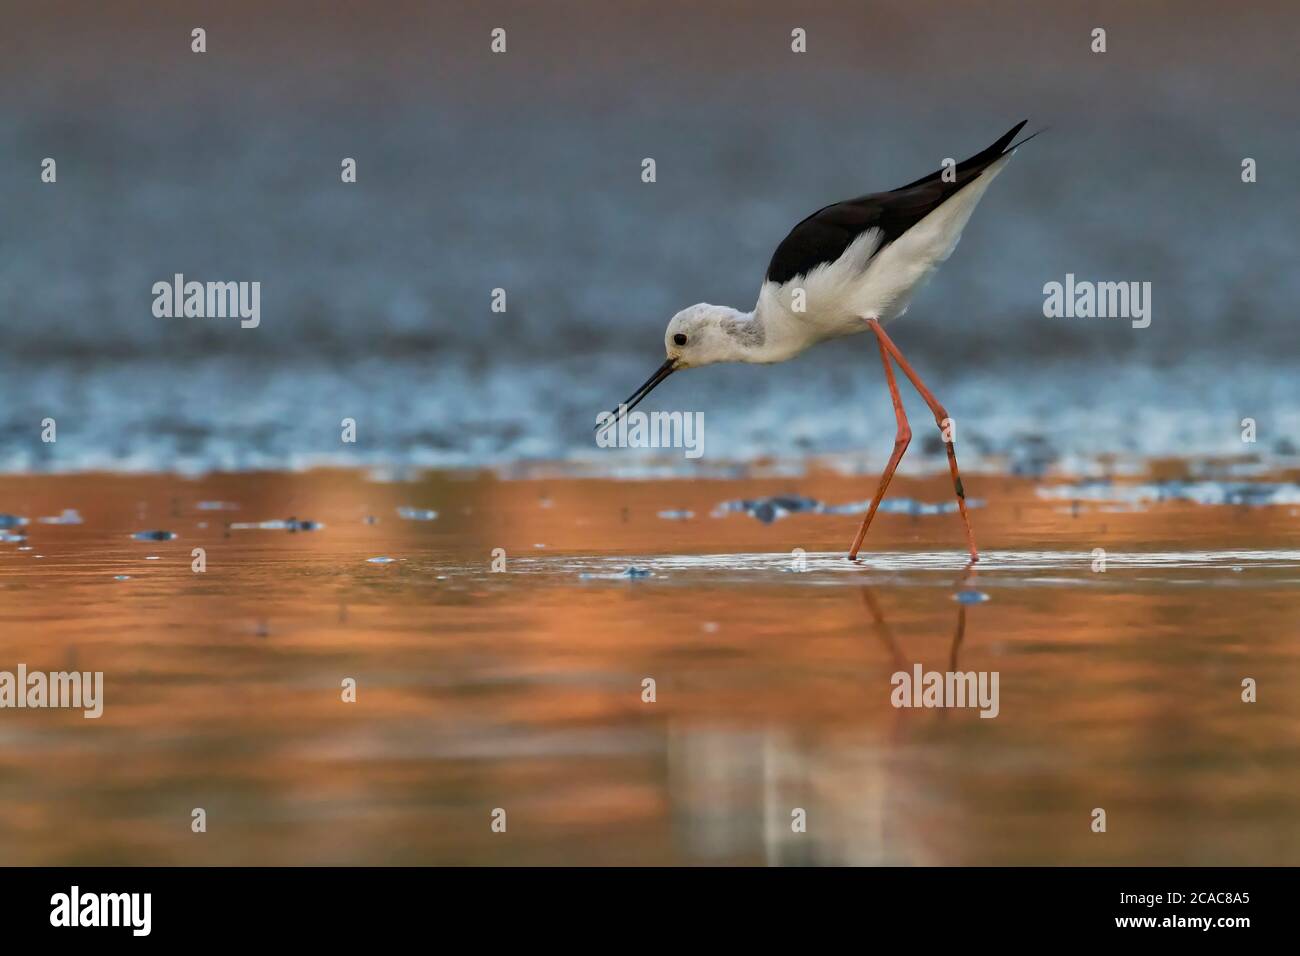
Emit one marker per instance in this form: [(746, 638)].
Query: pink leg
[(940, 417), (901, 439)]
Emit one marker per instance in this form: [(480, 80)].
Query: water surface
[(522, 690)]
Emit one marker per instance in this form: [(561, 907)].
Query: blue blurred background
[(522, 171)]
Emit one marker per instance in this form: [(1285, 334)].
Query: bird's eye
[(679, 338)]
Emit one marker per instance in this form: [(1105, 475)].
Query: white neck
[(783, 336)]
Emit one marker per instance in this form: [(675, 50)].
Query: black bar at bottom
[(332, 905)]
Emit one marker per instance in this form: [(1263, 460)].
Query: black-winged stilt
[(850, 267)]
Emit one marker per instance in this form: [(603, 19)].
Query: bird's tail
[(1015, 146), (967, 169), (999, 149)]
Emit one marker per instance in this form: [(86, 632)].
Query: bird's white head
[(701, 335), (705, 334)]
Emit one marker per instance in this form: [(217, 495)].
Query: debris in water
[(969, 596), (770, 509), (626, 573), (671, 515), (121, 577), (154, 535), (12, 521), (380, 560), (69, 516), (289, 524), (902, 506), (408, 513), (217, 506)]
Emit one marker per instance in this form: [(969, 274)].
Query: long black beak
[(661, 373)]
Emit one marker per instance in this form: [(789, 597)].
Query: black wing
[(824, 235)]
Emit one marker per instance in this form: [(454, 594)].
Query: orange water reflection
[(523, 690)]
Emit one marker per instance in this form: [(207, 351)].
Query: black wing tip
[(995, 152), (1001, 145), (981, 159)]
